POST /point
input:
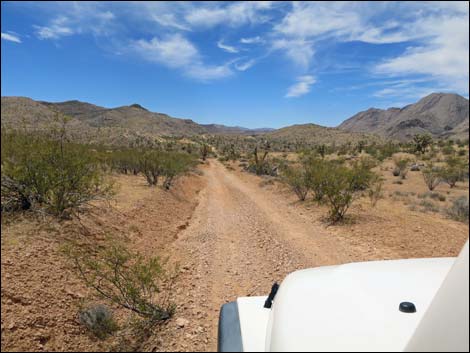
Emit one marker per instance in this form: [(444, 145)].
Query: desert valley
[(243, 210), (234, 176)]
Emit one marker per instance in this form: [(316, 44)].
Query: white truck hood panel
[(352, 307)]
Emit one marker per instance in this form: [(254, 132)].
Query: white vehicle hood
[(352, 307)]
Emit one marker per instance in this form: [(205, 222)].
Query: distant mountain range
[(441, 115), (137, 118)]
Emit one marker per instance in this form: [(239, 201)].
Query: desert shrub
[(154, 164), (432, 176), (49, 174), (298, 180), (150, 164), (375, 192), (363, 175), (343, 185), (432, 195), (453, 172), (205, 149), (125, 160), (98, 319), (124, 278), (429, 206), (459, 209), (315, 171), (174, 165), (230, 152), (448, 150), (401, 167), (422, 142), (384, 151)]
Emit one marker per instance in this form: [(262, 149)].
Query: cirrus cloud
[(11, 37), (301, 87)]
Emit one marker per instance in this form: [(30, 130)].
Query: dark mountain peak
[(138, 106)]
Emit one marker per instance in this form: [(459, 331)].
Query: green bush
[(316, 170), (453, 172), (298, 179), (432, 176), (154, 164), (49, 174), (124, 278), (151, 165), (174, 165), (343, 185), (124, 161)]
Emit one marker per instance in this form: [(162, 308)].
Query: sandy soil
[(41, 294), (232, 233)]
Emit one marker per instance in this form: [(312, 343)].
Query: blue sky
[(253, 64)]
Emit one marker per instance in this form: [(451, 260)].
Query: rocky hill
[(440, 114), (132, 119), (317, 134)]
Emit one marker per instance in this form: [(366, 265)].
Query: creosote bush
[(344, 185), (125, 278), (453, 172), (333, 182), (49, 174), (298, 179), (432, 176), (153, 164)]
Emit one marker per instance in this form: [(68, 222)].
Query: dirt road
[(239, 241)]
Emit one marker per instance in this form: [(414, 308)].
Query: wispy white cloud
[(252, 40), (301, 87), (56, 29), (233, 14), (11, 37), (299, 50), (245, 65), (437, 34), (203, 72), (176, 51), (227, 48), (78, 17), (443, 55)]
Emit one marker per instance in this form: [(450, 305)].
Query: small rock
[(181, 322)]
